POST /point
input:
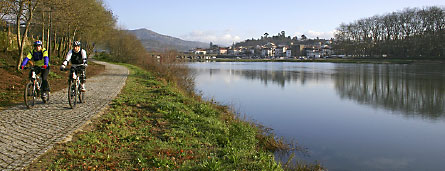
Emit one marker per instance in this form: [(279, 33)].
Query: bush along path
[(153, 126), (25, 134)]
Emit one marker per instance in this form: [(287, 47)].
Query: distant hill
[(153, 41)]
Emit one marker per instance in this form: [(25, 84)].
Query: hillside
[(153, 41)]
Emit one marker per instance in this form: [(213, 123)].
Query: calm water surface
[(348, 116)]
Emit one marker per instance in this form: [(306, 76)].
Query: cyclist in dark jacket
[(39, 56), (77, 56)]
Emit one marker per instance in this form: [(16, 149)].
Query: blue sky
[(224, 22)]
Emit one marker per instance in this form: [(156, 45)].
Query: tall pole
[(49, 35), (43, 30)]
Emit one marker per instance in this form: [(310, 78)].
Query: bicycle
[(74, 88), (32, 88)]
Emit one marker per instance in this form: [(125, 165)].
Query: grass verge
[(151, 125)]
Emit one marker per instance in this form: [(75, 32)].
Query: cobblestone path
[(25, 134)]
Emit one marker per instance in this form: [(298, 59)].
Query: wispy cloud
[(225, 37), (314, 34)]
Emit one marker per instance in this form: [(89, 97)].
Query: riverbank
[(341, 60), (151, 125)]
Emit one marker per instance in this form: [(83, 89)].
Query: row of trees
[(279, 39), (56, 22), (412, 32), (59, 22)]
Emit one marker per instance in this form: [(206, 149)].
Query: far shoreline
[(338, 60)]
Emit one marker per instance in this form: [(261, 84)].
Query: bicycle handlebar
[(78, 66), (33, 67), (74, 67)]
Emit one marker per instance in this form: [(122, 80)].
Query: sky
[(228, 21)]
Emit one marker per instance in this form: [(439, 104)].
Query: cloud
[(224, 37), (314, 34)]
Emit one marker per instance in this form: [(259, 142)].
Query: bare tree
[(23, 9), (409, 33)]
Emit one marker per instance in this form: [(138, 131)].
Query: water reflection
[(348, 116), (278, 77), (414, 90)]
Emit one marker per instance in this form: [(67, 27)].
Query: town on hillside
[(276, 47)]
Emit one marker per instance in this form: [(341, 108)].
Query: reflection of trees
[(406, 88), (415, 90), (279, 77)]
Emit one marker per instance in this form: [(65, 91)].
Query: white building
[(326, 51), (280, 51), (313, 54), (266, 52), (222, 51), (200, 51), (288, 53)]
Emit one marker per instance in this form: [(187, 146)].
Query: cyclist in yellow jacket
[(39, 56)]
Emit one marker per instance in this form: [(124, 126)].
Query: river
[(347, 116)]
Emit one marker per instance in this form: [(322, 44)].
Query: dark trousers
[(80, 73), (44, 76)]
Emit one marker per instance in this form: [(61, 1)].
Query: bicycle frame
[(74, 87), (35, 79), (32, 89)]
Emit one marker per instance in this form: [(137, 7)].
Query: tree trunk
[(66, 46), (19, 42), (59, 49), (62, 45), (74, 34), (55, 44), (31, 9), (43, 29), (47, 38), (9, 37)]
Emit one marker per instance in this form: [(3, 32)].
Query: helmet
[(76, 43), (38, 43)]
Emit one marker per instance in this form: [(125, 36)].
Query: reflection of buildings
[(396, 88)]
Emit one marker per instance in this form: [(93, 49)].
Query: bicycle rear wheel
[(30, 95), (72, 94)]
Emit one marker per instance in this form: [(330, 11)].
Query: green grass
[(54, 75), (151, 125)]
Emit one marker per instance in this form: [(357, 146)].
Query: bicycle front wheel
[(46, 98), (30, 95), (81, 93), (81, 97), (72, 94)]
